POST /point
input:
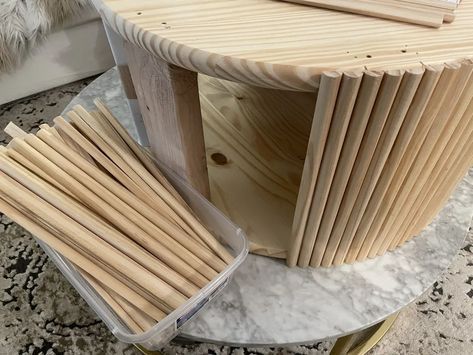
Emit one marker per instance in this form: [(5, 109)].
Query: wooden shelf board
[(256, 140)]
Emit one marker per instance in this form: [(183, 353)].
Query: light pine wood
[(446, 82), (382, 9), (440, 154), (378, 115), (135, 147), (364, 104), (378, 198), (115, 163), (103, 191), (110, 212), (229, 129), (20, 159), (90, 243), (326, 99), (339, 123), (407, 90), (282, 45), (442, 194), (255, 157), (169, 101), (432, 144), (14, 213), (177, 239), (444, 172), (177, 211), (113, 303), (98, 226), (122, 156), (378, 121), (139, 316), (14, 131)]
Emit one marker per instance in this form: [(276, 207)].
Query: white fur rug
[(24, 23)]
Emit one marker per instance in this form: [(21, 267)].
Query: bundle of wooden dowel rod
[(89, 191), (386, 151), (431, 13)]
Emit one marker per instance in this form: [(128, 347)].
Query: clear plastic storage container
[(223, 229)]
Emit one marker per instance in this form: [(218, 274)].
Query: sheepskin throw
[(24, 23)]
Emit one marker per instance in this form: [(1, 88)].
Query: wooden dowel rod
[(382, 147), (111, 211), (67, 129), (109, 123), (456, 147), (116, 166), (325, 105), (407, 90), (76, 258), (90, 242), (137, 149), (160, 190), (358, 122), (112, 302), (14, 131), (430, 153), (346, 99), (140, 317), (185, 246), (103, 128), (372, 218), (376, 124), (20, 159), (447, 79), (99, 227), (376, 9), (69, 142), (111, 198), (53, 131), (440, 132), (159, 304), (147, 194), (442, 195), (120, 160), (151, 297)]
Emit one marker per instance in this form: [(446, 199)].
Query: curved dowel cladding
[(397, 144)]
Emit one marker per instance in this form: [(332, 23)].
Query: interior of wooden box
[(256, 142)]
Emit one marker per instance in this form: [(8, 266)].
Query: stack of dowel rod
[(386, 151), (90, 192), (431, 13)]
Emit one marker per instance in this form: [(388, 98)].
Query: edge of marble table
[(267, 303)]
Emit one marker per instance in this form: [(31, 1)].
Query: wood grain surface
[(362, 171), (282, 45)]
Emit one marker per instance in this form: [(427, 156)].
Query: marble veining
[(267, 303)]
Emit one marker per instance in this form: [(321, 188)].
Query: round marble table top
[(268, 303)]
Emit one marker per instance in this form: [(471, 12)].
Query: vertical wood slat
[(358, 123), (341, 117), (169, 101), (377, 120), (325, 105), (432, 205), (386, 166), (436, 102), (435, 154), (377, 201), (440, 197), (456, 147), (413, 182), (395, 119)]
